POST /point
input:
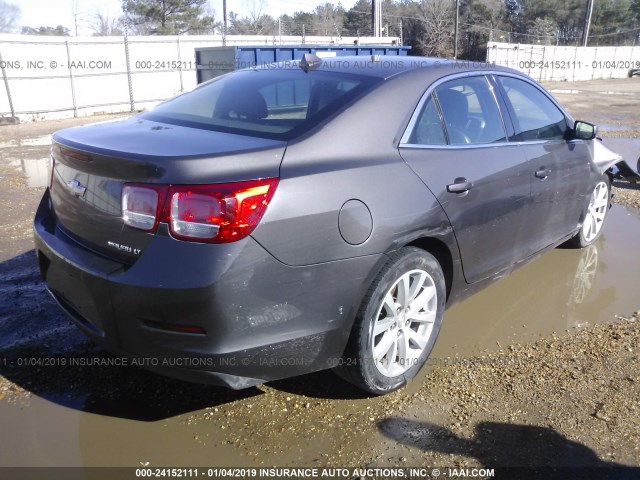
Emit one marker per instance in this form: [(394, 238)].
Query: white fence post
[(180, 64), (128, 63), (6, 86), (73, 88)]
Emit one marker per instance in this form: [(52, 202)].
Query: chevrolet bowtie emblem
[(76, 188)]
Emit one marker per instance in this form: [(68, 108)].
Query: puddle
[(44, 140), (82, 439), (37, 171), (562, 290), (121, 417), (30, 156)]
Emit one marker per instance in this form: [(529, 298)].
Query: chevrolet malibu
[(319, 214)]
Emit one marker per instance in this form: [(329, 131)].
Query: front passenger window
[(537, 118)]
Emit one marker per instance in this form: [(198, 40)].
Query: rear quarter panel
[(353, 156)]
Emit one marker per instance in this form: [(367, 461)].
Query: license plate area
[(76, 292)]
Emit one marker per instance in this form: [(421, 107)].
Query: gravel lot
[(566, 399)]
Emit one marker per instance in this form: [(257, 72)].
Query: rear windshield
[(277, 103)]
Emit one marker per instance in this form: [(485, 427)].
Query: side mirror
[(584, 130)]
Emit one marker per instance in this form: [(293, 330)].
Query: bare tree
[(214, 25), (488, 14), (104, 25), (437, 17), (255, 9), (9, 15), (329, 19), (256, 22), (544, 30)]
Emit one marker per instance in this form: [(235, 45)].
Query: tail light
[(217, 213), (141, 205), (83, 157)]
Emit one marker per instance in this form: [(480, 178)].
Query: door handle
[(460, 185), (542, 173)]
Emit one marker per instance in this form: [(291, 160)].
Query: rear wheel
[(397, 324), (597, 211)]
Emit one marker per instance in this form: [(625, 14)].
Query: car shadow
[(38, 345), (323, 384), (521, 451), (44, 353)]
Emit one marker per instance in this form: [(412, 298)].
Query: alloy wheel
[(596, 212), (404, 323)]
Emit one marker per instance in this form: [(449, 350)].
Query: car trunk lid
[(92, 163)]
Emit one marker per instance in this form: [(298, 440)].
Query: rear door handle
[(460, 185), (542, 173)]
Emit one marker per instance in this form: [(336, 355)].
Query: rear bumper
[(261, 320)]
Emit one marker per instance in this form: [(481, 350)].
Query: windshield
[(277, 103)]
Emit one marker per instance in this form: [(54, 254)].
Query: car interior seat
[(455, 110), (247, 105)]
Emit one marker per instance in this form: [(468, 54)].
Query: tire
[(393, 336), (597, 212)]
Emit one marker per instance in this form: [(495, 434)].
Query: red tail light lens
[(217, 213), (84, 157)]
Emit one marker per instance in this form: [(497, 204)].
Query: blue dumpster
[(214, 61)]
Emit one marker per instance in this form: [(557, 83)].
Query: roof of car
[(385, 66)]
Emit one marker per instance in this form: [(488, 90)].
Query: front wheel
[(398, 323), (597, 211)]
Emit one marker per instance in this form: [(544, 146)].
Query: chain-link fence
[(54, 77)]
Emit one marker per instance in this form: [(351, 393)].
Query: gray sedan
[(318, 214)]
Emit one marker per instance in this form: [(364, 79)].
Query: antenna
[(310, 61)]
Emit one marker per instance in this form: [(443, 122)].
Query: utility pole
[(74, 9), (376, 17), (587, 23), (455, 35), (224, 22)]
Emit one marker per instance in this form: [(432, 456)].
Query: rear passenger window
[(428, 129), (286, 99), (470, 111), (269, 103), (537, 118)]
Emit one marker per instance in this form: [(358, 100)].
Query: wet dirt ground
[(539, 369)]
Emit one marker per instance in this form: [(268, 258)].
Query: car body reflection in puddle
[(562, 290)]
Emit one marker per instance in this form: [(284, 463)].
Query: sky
[(36, 13)]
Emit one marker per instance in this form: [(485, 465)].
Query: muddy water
[(562, 290), (29, 157), (100, 416)]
